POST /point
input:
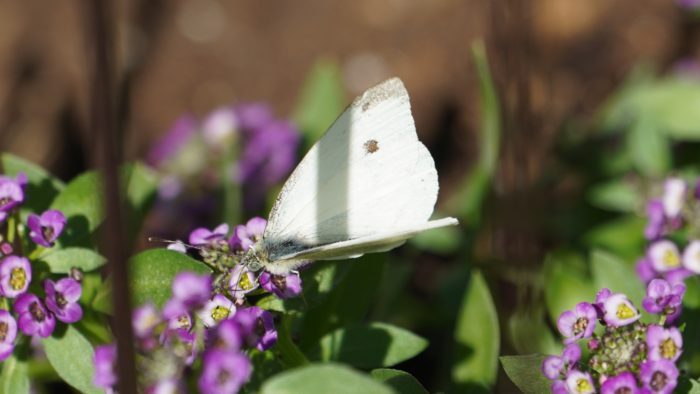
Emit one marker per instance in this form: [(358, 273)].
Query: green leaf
[(14, 377), (525, 373), (624, 236), (649, 148), (617, 195), (612, 272), (152, 272), (103, 299), (566, 282), (530, 333), (322, 100), (81, 202), (443, 240), (687, 385), (41, 188), (71, 355), (141, 187), (368, 346), (402, 382), (348, 302), (60, 261), (477, 337), (324, 378)]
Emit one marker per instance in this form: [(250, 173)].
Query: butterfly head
[(253, 258)]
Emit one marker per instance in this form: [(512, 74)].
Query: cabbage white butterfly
[(366, 186)]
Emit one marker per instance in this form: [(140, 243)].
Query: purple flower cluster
[(195, 321), (192, 151), (628, 356), (673, 211)]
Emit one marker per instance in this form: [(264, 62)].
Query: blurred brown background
[(551, 58)]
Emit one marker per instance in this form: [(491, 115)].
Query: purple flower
[(105, 365), (191, 289), (144, 320), (559, 387), (242, 281), (245, 236), (62, 299), (579, 382), (664, 256), (224, 372), (691, 257), (657, 220), (645, 270), (622, 383), (5, 249), (8, 333), (619, 310), (34, 318), (15, 276), (663, 344), (690, 5), (45, 229), (219, 126), (556, 367), (183, 320), (181, 343), (659, 376), (11, 193), (677, 276), (577, 324), (252, 116), (661, 295), (202, 236), (228, 336), (217, 309), (674, 197), (283, 286), (181, 132), (259, 327)]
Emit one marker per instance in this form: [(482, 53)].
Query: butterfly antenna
[(170, 241)]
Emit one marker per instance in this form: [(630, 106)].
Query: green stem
[(662, 319), (11, 229), (232, 190), (289, 352)]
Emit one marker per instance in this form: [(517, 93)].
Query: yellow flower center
[(625, 312), (18, 278), (668, 349), (583, 386), (671, 259), (219, 313), (244, 283)]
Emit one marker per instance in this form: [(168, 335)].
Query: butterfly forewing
[(367, 175)]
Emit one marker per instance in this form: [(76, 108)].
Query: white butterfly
[(366, 186)]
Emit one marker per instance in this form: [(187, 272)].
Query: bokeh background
[(555, 64)]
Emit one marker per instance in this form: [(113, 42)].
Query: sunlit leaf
[(402, 382), (324, 378), (72, 356), (525, 372)]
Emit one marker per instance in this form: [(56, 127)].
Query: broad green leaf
[(691, 299), (477, 337), (322, 100), (152, 272), (103, 298), (623, 237), (443, 240), (617, 195), (525, 373), (649, 148), (14, 378), (60, 261), (265, 365), (42, 187), (348, 302), (687, 385), (612, 272), (402, 382), (81, 202), (141, 187), (566, 282), (324, 378), (72, 356), (530, 333), (368, 346)]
